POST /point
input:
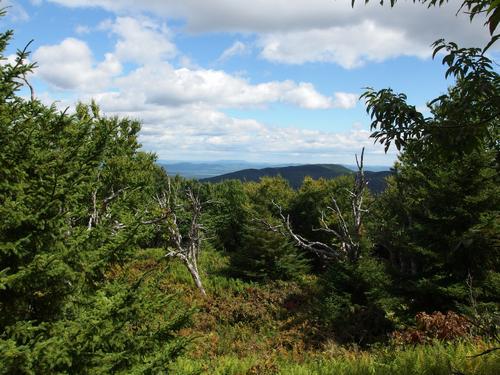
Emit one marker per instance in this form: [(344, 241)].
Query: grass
[(436, 359)]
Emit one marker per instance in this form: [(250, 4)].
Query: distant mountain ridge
[(296, 174), (193, 169)]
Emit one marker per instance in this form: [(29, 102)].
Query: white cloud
[(70, 66), (408, 29), (182, 108), (237, 48), (142, 40), (345, 100), (201, 132), (161, 84), (187, 122), (304, 95), (210, 134), (349, 46), (186, 62), (198, 131)]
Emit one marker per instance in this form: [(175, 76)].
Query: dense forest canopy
[(100, 248)]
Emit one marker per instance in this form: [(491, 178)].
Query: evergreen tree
[(263, 254), (440, 215), (356, 304), (439, 222), (73, 192), (267, 255), (227, 214)]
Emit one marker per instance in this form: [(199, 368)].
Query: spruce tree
[(73, 191), (267, 255)]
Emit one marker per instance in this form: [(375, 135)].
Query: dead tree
[(348, 233), (185, 246), (100, 206), (321, 249)]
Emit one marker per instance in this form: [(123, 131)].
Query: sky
[(263, 80)]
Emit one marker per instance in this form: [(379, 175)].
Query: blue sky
[(268, 81)]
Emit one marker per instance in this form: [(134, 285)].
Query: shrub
[(356, 302), (435, 326)]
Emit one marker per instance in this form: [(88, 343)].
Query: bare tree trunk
[(193, 270), (186, 247), (349, 234)]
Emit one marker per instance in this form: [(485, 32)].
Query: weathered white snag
[(348, 233), (185, 247), (100, 206)]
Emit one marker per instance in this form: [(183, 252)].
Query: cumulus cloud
[(321, 19), (141, 41), (349, 46), (182, 109), (225, 136), (70, 65), (345, 100), (198, 131), (162, 84)]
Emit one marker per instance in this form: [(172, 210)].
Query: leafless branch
[(100, 209), (347, 234), (113, 196), (186, 247), (285, 229), (32, 90), (155, 220), (484, 353)]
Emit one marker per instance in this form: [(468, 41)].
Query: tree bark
[(193, 270)]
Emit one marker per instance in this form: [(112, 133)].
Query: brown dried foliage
[(435, 326)]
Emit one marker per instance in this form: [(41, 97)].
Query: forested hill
[(296, 174)]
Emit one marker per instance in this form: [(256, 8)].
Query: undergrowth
[(435, 359), (246, 327)]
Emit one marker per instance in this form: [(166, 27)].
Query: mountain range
[(296, 174), (221, 170)]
